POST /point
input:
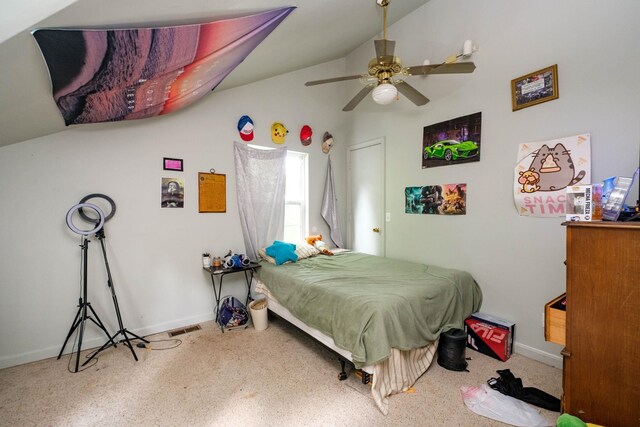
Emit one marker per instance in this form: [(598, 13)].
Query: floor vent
[(186, 330)]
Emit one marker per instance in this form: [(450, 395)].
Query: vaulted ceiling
[(317, 31)]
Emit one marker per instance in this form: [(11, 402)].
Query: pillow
[(282, 252), (305, 250), (264, 256)]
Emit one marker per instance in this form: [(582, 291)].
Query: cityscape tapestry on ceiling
[(103, 75)]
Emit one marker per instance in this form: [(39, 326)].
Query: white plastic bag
[(492, 404)]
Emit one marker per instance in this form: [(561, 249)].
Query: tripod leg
[(100, 235), (74, 325), (98, 322), (104, 346), (128, 344), (84, 316), (126, 334), (126, 331)]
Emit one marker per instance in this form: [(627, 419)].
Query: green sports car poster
[(452, 142)]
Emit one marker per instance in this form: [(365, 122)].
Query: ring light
[(99, 223), (101, 196)]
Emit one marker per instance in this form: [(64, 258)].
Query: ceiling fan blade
[(335, 79), (458, 67), (412, 93), (384, 47), (359, 97)]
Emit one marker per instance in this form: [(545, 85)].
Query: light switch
[(388, 217)]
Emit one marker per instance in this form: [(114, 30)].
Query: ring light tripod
[(83, 303), (127, 336)]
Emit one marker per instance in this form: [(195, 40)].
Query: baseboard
[(32, 356), (45, 353), (539, 355)]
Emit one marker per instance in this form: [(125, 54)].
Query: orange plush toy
[(316, 241)]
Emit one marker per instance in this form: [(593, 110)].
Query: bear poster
[(544, 171), (439, 199)]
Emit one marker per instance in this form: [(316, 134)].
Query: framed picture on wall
[(172, 193), (170, 164), (535, 88)]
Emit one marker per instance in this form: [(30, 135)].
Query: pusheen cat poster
[(544, 171), (105, 75)]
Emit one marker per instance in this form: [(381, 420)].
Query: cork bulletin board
[(212, 192)]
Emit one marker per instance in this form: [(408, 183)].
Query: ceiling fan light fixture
[(385, 77), (384, 93)]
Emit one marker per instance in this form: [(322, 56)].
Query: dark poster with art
[(439, 199), (103, 75), (172, 193), (452, 142)]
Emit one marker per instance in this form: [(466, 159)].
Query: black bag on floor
[(511, 386), (451, 350)]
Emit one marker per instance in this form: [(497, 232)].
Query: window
[(296, 213), (296, 198)]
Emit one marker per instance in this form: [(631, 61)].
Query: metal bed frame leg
[(365, 377), (343, 374)]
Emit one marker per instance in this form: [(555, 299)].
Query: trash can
[(259, 313), (451, 350)]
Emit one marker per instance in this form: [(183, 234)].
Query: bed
[(383, 315)]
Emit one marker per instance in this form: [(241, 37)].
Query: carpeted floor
[(276, 377)]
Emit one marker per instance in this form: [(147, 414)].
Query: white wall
[(518, 261), (154, 253)]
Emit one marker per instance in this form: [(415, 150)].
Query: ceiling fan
[(386, 74)]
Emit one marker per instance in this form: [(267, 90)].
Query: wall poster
[(452, 142), (172, 193), (439, 199), (103, 75), (212, 192), (545, 169)]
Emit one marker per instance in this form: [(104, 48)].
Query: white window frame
[(304, 201)]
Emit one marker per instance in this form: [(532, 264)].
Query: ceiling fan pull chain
[(451, 59)]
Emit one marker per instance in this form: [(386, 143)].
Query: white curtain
[(260, 186), (329, 208)]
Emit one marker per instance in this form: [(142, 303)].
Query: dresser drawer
[(555, 320)]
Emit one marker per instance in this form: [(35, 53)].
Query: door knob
[(376, 230)]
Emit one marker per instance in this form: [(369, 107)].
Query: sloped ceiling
[(316, 32)]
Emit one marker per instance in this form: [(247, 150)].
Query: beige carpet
[(276, 377)]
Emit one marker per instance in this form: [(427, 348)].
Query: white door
[(366, 197)]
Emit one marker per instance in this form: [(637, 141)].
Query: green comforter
[(370, 304)]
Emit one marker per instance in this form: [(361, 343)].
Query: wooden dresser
[(601, 378)]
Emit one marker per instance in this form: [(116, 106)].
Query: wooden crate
[(555, 322)]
